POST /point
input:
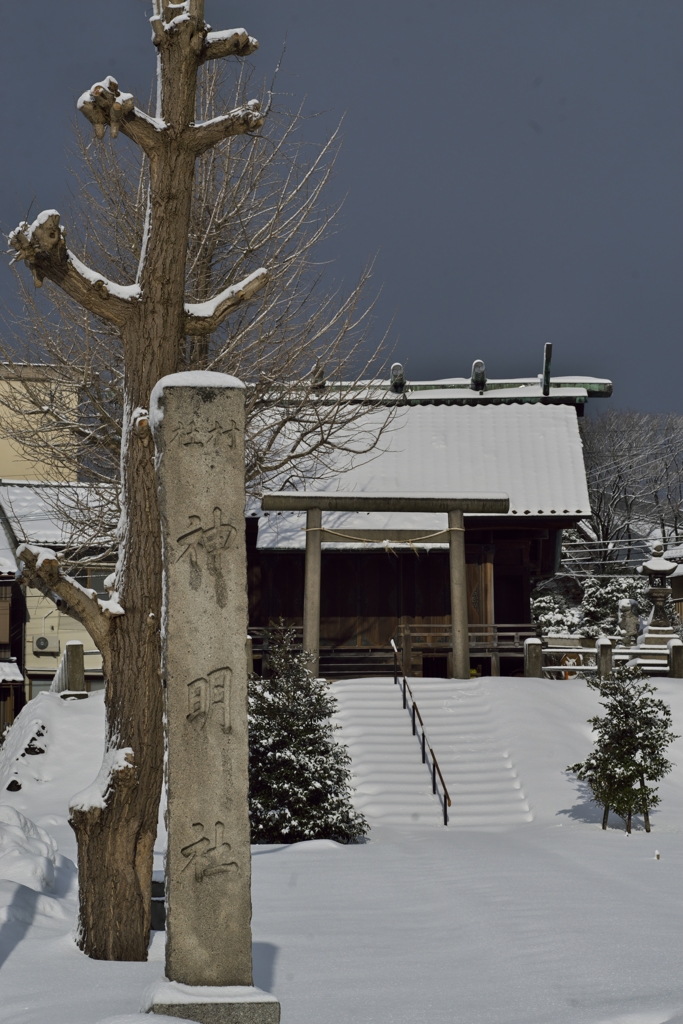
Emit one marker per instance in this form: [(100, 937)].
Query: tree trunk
[(115, 820), (116, 844), (628, 821), (605, 816)]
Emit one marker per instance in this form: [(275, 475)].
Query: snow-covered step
[(483, 782), (392, 786)]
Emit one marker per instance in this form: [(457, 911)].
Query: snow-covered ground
[(522, 911)]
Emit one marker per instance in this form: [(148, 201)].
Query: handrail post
[(404, 693), (445, 809), (433, 774), (424, 755), (395, 669), (414, 730)]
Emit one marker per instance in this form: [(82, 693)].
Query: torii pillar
[(456, 505)]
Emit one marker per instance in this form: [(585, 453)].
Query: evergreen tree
[(629, 752), (299, 776)]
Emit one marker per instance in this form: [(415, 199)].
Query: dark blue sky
[(518, 164)]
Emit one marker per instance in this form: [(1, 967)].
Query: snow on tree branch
[(95, 795), (104, 104), (205, 317), (41, 571), (42, 246), (237, 122), (231, 42)]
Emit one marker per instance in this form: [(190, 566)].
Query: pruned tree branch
[(42, 246), (104, 104), (240, 121), (257, 202), (231, 42), (41, 571), (206, 317)]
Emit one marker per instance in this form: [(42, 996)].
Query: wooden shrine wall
[(366, 594)]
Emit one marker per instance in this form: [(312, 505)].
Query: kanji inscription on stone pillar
[(197, 421)]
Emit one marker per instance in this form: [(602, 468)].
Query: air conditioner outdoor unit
[(45, 645)]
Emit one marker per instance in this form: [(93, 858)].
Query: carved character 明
[(209, 697)]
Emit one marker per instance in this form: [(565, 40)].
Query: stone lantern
[(658, 569)]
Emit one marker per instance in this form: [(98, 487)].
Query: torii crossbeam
[(456, 505)]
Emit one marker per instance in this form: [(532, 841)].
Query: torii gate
[(315, 503)]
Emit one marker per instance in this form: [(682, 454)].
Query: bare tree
[(190, 225), (634, 466), (302, 350)]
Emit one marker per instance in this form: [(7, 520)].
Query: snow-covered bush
[(554, 614), (600, 604), (299, 776), (598, 611)]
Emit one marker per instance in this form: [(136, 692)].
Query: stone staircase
[(652, 651), (394, 787), (353, 664)]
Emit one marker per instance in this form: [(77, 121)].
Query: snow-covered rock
[(27, 852), (52, 751)]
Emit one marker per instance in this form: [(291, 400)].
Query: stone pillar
[(461, 644), (314, 521), (533, 658), (197, 421)]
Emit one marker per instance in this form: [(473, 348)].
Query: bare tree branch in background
[(301, 348), (634, 466)]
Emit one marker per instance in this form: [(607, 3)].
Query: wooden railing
[(414, 712)]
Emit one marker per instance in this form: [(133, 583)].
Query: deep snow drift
[(522, 911)]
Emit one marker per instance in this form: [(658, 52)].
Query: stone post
[(675, 658), (197, 421), (459, 625), (533, 658), (311, 643), (75, 672), (603, 655)]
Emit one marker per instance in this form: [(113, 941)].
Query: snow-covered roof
[(28, 511), (675, 555), (10, 672), (532, 452)]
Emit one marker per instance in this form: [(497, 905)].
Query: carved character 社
[(207, 859)]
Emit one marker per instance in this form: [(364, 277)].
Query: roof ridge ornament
[(478, 378)]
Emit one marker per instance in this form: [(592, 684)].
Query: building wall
[(43, 619), (16, 464), (365, 595)]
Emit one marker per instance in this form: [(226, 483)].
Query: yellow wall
[(44, 619), (15, 464)]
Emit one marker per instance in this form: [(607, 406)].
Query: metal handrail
[(425, 744)]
